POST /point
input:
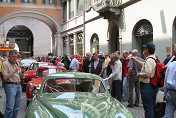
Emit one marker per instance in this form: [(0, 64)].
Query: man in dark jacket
[(173, 54), (86, 62), (97, 65)]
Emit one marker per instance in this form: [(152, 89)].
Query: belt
[(13, 82), (172, 90)]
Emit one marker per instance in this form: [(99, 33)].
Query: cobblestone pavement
[(138, 111)]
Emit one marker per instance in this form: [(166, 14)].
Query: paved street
[(138, 111)]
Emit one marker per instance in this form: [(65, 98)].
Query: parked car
[(31, 72), (37, 80), (75, 95)]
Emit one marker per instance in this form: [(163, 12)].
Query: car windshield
[(47, 71), (74, 85), (36, 65), (27, 62)]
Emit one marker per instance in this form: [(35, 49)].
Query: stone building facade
[(34, 25)]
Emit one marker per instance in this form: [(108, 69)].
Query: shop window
[(71, 41), (94, 43), (79, 43)]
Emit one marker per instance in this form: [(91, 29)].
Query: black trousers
[(116, 91)]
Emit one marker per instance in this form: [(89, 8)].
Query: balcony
[(107, 8)]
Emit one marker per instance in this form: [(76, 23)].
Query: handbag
[(160, 109)]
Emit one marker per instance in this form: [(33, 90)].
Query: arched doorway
[(114, 39), (44, 27), (142, 34), (94, 43), (23, 37)]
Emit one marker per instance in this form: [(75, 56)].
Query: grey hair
[(114, 55), (135, 51)]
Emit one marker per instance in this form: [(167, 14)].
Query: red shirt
[(125, 67), (80, 65), (56, 62)]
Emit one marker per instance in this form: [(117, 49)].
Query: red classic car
[(31, 72), (35, 83)]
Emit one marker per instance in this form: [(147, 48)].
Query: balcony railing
[(103, 5)]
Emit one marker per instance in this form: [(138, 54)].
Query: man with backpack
[(148, 91)]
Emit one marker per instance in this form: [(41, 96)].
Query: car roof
[(51, 66), (41, 62), (69, 75)]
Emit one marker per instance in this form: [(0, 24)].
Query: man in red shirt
[(58, 60), (125, 61), (78, 57)]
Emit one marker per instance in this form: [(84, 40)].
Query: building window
[(71, 10), (7, 0), (49, 2), (79, 43), (65, 11), (80, 4), (71, 41), (28, 1), (142, 34), (88, 4)]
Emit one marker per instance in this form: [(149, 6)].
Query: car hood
[(30, 74), (36, 81), (83, 105)]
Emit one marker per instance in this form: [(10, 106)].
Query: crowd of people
[(122, 74)]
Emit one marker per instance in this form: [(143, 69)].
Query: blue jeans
[(106, 81), (148, 96), (170, 104), (13, 94), (125, 89)]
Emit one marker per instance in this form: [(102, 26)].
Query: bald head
[(88, 54), (125, 54)]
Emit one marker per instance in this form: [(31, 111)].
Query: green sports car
[(75, 95)]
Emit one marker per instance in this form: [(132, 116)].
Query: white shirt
[(116, 71), (74, 64), (170, 77)]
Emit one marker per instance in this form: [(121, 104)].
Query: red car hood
[(36, 81), (30, 74)]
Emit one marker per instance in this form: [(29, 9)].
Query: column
[(74, 39), (59, 45)]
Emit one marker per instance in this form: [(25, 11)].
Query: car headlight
[(31, 88)]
